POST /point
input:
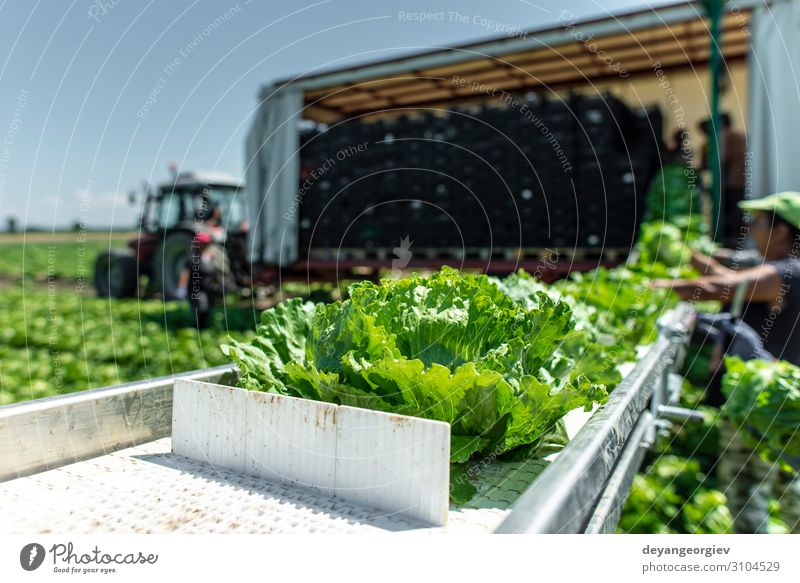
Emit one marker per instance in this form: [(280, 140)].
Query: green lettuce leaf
[(763, 398), (447, 346)]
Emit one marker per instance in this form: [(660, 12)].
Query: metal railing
[(585, 486), (52, 432)]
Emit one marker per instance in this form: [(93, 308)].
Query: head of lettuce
[(448, 346)]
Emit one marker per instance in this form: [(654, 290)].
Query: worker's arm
[(763, 285), (708, 265)]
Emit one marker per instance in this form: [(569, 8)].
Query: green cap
[(784, 204)]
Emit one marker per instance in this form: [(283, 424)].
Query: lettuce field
[(55, 342), (56, 337)]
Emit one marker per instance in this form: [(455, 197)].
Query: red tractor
[(171, 219)]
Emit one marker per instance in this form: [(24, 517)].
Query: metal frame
[(49, 433), (582, 490), (346, 91), (607, 513), (531, 39)]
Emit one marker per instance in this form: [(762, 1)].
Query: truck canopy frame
[(569, 54)]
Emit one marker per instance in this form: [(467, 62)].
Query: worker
[(209, 219), (203, 277), (773, 303), (680, 150), (673, 191), (772, 309), (732, 154)]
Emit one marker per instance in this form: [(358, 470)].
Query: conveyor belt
[(101, 461), (147, 489)]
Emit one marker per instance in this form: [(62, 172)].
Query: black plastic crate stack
[(617, 153), (544, 180), (484, 177)]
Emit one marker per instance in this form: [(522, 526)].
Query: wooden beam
[(553, 84)]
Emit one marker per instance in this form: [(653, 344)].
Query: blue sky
[(98, 95)]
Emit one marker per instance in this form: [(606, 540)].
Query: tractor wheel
[(169, 261), (116, 275)]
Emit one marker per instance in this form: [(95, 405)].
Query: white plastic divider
[(291, 440), (391, 463), (208, 425)]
